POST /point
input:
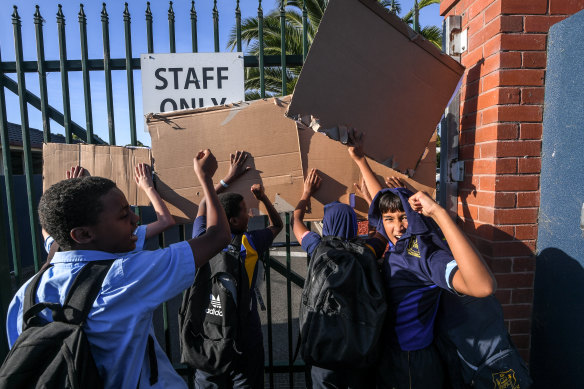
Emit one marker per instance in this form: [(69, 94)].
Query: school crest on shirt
[(505, 380), (413, 248)]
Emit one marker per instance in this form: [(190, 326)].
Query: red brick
[(529, 165), (493, 11), (524, 7), (475, 26), (526, 231), (468, 211), (516, 216), (490, 81), (477, 8), (493, 45), (472, 57), (499, 265), (530, 130), (568, 7), (498, 25), (469, 90), (541, 23), (523, 42), (498, 233), (521, 265), (504, 249), (501, 60), (524, 352), (505, 200), (446, 5), (520, 113), (490, 115), (528, 199), (517, 311), (523, 148), (467, 152), (534, 59), (486, 215), (503, 295), (517, 183), (468, 121), (510, 77), (503, 131), (488, 150), (515, 280), (521, 341), (532, 95), (498, 96), (521, 326)]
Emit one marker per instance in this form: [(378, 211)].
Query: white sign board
[(173, 82)]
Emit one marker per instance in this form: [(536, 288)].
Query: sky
[(48, 8)]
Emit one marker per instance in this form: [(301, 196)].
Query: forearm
[(298, 226), (162, 212), (373, 185), (274, 216), (476, 278)]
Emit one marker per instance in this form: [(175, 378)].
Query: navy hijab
[(339, 220)]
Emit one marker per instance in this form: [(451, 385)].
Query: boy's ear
[(233, 221), (81, 235)]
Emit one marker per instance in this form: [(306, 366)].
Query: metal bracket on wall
[(456, 171), (457, 38)]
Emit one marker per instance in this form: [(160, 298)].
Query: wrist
[(439, 213)]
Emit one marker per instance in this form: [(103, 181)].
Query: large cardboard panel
[(259, 127), (367, 69), (113, 162), (339, 172)]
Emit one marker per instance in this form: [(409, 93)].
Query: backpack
[(214, 311), (473, 341), (343, 306), (56, 354)]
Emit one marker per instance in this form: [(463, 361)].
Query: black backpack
[(343, 306), (56, 354), (214, 311), (473, 341)]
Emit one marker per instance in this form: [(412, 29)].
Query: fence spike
[(104, 15), (81, 15)]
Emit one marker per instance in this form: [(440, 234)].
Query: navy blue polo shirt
[(416, 270)]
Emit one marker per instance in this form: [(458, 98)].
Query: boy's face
[(114, 231), (239, 223), (395, 224)]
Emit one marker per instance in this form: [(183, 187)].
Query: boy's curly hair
[(230, 202), (72, 203)]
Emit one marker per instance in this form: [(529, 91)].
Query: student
[(91, 220), (143, 178), (250, 373), (339, 220), (429, 254)]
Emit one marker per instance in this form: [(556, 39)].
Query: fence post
[(130, 75), (108, 76), (171, 32), (38, 22), (261, 53), (194, 27), (85, 71), (216, 26), (283, 47), (64, 74)]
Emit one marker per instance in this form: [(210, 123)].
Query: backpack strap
[(29, 317), (84, 291)]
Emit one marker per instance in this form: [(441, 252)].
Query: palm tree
[(293, 28)]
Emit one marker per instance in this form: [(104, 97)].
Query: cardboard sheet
[(367, 69), (339, 172), (114, 162), (259, 127)]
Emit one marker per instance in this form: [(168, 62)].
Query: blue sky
[(48, 8)]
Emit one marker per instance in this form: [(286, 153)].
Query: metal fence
[(10, 253)]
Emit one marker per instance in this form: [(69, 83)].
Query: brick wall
[(500, 139)]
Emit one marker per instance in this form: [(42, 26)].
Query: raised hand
[(205, 164), (312, 182), (75, 172), (143, 176)]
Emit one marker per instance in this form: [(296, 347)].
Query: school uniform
[(120, 321), (416, 271), (340, 220), (250, 372)]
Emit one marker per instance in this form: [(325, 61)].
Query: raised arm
[(363, 191), (473, 277), (356, 152), (218, 234), (275, 219), (311, 185), (164, 220), (237, 169)]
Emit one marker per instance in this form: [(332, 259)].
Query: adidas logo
[(216, 304)]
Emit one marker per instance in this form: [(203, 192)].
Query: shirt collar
[(82, 256)]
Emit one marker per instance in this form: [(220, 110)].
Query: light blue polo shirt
[(121, 317)]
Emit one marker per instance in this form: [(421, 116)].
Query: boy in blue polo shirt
[(250, 372), (429, 254), (91, 220)]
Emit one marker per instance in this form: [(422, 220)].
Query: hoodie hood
[(417, 224), (339, 220)]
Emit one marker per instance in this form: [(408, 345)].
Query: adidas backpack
[(343, 306), (214, 312), (56, 354)]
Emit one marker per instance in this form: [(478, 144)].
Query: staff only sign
[(173, 82)]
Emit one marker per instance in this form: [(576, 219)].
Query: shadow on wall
[(558, 321)]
